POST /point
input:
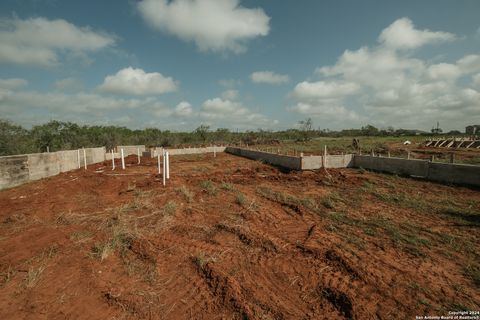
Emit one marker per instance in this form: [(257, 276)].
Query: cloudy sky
[(241, 64)]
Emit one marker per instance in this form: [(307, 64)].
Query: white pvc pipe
[(113, 160), (325, 157), (78, 157), (164, 169), (85, 158), (158, 160), (123, 159), (167, 155), (138, 154)]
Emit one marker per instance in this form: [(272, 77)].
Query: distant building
[(475, 129)]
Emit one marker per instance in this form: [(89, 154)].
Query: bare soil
[(231, 238)]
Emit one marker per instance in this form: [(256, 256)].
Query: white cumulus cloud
[(40, 41), (228, 113), (230, 94), (183, 109), (324, 89), (131, 81), (402, 35), (269, 77), (386, 85), (213, 25), (12, 83), (68, 84), (476, 80)]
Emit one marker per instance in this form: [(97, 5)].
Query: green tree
[(370, 130), (13, 139), (306, 129), (202, 132)]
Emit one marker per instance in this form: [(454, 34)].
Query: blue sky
[(241, 64)]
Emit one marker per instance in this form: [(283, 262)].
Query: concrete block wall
[(289, 162)]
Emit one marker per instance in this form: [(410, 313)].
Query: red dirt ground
[(231, 238)]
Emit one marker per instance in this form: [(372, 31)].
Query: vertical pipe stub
[(113, 160)]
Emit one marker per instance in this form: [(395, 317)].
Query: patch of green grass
[(405, 237), (331, 200), (209, 187), (463, 216), (340, 218)]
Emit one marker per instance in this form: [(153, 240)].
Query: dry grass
[(186, 194), (209, 187)]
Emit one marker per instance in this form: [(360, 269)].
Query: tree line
[(57, 135)]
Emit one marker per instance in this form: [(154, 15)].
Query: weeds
[(330, 200), (209, 187), (228, 186), (473, 272), (121, 237), (201, 260), (288, 200), (7, 275), (33, 276), (187, 194), (240, 199), (170, 208)]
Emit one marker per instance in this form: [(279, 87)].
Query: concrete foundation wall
[(454, 173), (68, 160), (108, 155), (312, 162), (128, 150), (418, 168), (13, 171), (183, 151), (16, 170), (95, 155), (289, 162), (339, 161), (42, 165), (441, 172), (332, 161)]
